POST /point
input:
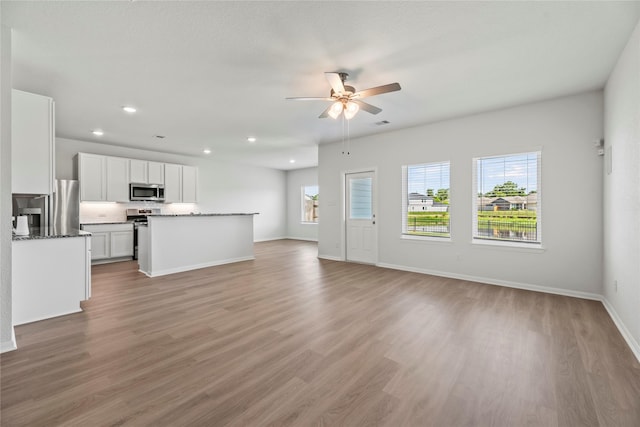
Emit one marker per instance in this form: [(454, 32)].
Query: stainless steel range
[(139, 217)]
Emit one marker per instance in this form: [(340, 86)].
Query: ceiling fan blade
[(335, 81), (325, 113), (306, 98), (367, 107), (392, 87)]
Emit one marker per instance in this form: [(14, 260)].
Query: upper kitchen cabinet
[(103, 178), (155, 173), (144, 172), (138, 172), (32, 143), (172, 183), (180, 183), (92, 171), (117, 179)]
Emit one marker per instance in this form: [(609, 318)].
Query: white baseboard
[(269, 239), (330, 257), (490, 281), (6, 346), (305, 239), (633, 344), (197, 266)]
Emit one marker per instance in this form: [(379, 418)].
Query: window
[(425, 206), (310, 203), (507, 198)]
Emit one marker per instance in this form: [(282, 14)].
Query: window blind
[(426, 200), (507, 199)]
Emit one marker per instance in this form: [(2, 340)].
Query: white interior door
[(361, 235)]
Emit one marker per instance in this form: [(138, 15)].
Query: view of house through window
[(426, 200), (309, 203), (507, 202)]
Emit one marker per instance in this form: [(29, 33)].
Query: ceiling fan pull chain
[(348, 138), (343, 135)]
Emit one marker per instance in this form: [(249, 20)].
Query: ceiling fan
[(346, 100)]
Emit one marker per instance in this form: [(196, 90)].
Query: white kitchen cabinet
[(145, 172), (92, 172), (189, 184), (32, 143), (180, 183), (138, 172), (117, 179), (100, 244), (172, 183), (155, 172), (110, 242), (121, 244)]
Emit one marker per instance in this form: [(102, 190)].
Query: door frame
[(343, 228)]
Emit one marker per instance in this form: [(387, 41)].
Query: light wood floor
[(288, 339)]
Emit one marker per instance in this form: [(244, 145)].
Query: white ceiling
[(210, 74)]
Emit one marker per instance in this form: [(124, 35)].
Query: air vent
[(382, 123)]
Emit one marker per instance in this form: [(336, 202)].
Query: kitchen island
[(175, 243), (51, 273)]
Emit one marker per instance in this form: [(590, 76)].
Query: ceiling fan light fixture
[(350, 110), (336, 109)]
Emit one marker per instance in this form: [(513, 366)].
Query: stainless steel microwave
[(146, 192)]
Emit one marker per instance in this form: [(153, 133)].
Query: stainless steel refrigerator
[(65, 215)]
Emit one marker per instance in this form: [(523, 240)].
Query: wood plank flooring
[(291, 340)]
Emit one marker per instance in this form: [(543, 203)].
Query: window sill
[(509, 246), (308, 223), (425, 238)]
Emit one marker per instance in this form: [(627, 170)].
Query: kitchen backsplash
[(95, 212)]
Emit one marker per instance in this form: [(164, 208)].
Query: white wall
[(222, 187), (7, 339), (622, 193), (563, 129), (295, 228)]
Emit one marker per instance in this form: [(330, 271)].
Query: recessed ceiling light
[(129, 109), (206, 151), (97, 132), (251, 139), (292, 161)]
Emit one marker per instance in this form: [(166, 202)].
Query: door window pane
[(360, 198)]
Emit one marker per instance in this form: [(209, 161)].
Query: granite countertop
[(207, 214), (104, 222), (37, 233)]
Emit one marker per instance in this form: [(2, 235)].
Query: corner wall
[(564, 129), (7, 337), (622, 193), (295, 228), (222, 186)]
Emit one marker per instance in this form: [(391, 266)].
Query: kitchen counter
[(208, 214), (50, 274), (36, 233), (104, 222), (177, 242)]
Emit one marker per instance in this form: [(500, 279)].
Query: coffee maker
[(34, 207)]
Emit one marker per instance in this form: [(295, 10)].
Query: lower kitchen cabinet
[(110, 242)]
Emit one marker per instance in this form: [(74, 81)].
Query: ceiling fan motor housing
[(348, 91)]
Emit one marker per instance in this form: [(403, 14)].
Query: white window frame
[(405, 203), (475, 239), (302, 207)]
